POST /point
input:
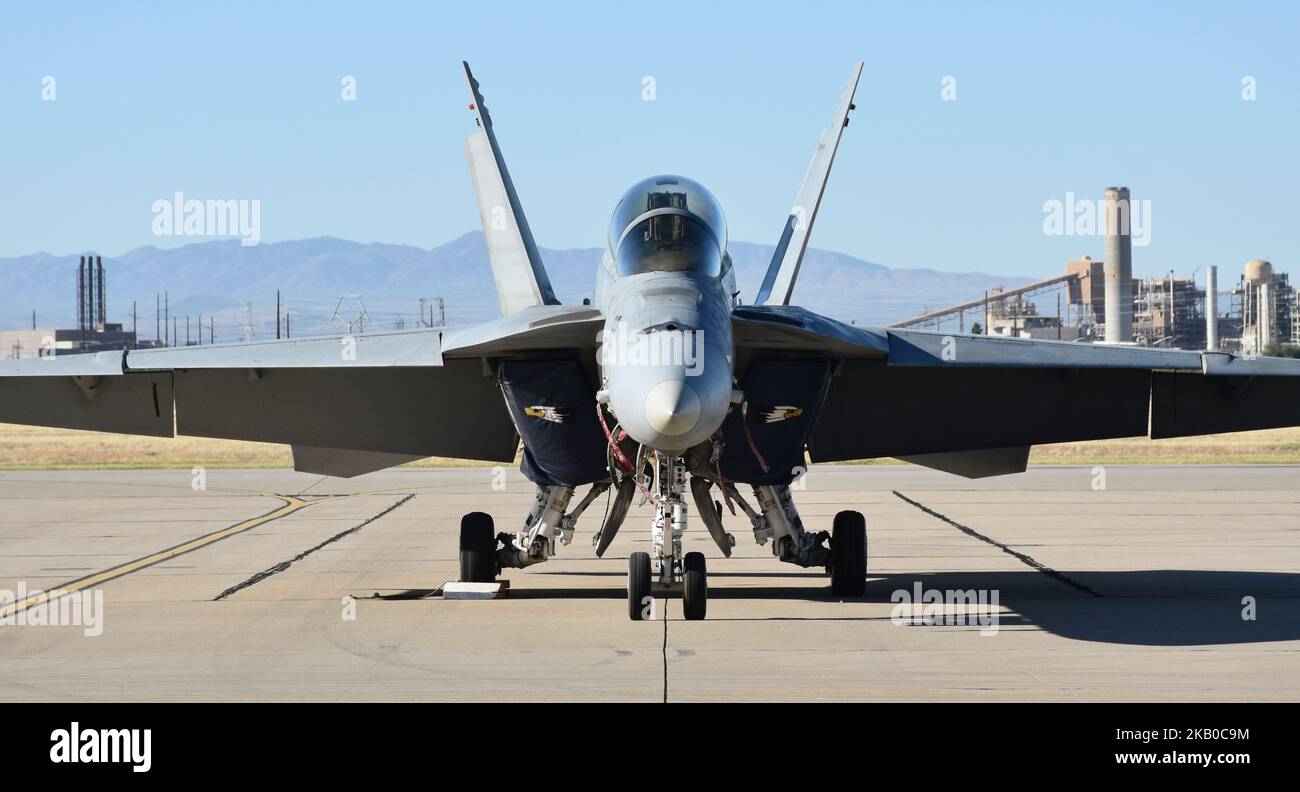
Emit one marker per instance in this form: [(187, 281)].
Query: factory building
[(1168, 312), (43, 342), (1263, 309), (1019, 317)]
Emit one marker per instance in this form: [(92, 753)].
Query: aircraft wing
[(348, 404), (960, 402), (789, 328)]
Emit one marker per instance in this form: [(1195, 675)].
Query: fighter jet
[(669, 385)]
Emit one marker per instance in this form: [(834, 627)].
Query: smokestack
[(81, 293), (1118, 266), (90, 293), (1265, 316), (101, 301), (1211, 309)]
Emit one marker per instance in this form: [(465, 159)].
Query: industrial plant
[(93, 333), (1101, 301)]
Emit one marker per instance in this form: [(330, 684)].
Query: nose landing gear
[(678, 571), (691, 578), (640, 596)]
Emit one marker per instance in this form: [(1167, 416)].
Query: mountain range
[(236, 285)]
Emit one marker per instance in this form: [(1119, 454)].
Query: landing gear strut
[(483, 554)]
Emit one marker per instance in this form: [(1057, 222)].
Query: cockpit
[(668, 224)]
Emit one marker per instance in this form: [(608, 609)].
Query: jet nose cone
[(672, 408)]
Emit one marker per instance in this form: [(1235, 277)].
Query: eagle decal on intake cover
[(547, 413)]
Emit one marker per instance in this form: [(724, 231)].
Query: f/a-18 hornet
[(665, 383)]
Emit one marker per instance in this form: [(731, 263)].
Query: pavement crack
[(283, 565), (1025, 559), (291, 505), (665, 650), (312, 486)]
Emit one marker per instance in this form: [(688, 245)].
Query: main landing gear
[(478, 545), (483, 553), (777, 520), (848, 565)]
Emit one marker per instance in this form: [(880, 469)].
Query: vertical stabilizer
[(516, 265), (778, 284)]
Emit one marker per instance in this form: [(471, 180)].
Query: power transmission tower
[(357, 322)]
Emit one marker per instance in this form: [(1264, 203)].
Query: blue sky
[(242, 100)]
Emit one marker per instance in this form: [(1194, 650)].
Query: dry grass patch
[(40, 448)]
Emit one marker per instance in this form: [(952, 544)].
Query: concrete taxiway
[(1132, 583)]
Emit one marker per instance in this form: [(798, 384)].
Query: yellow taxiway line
[(291, 505)]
